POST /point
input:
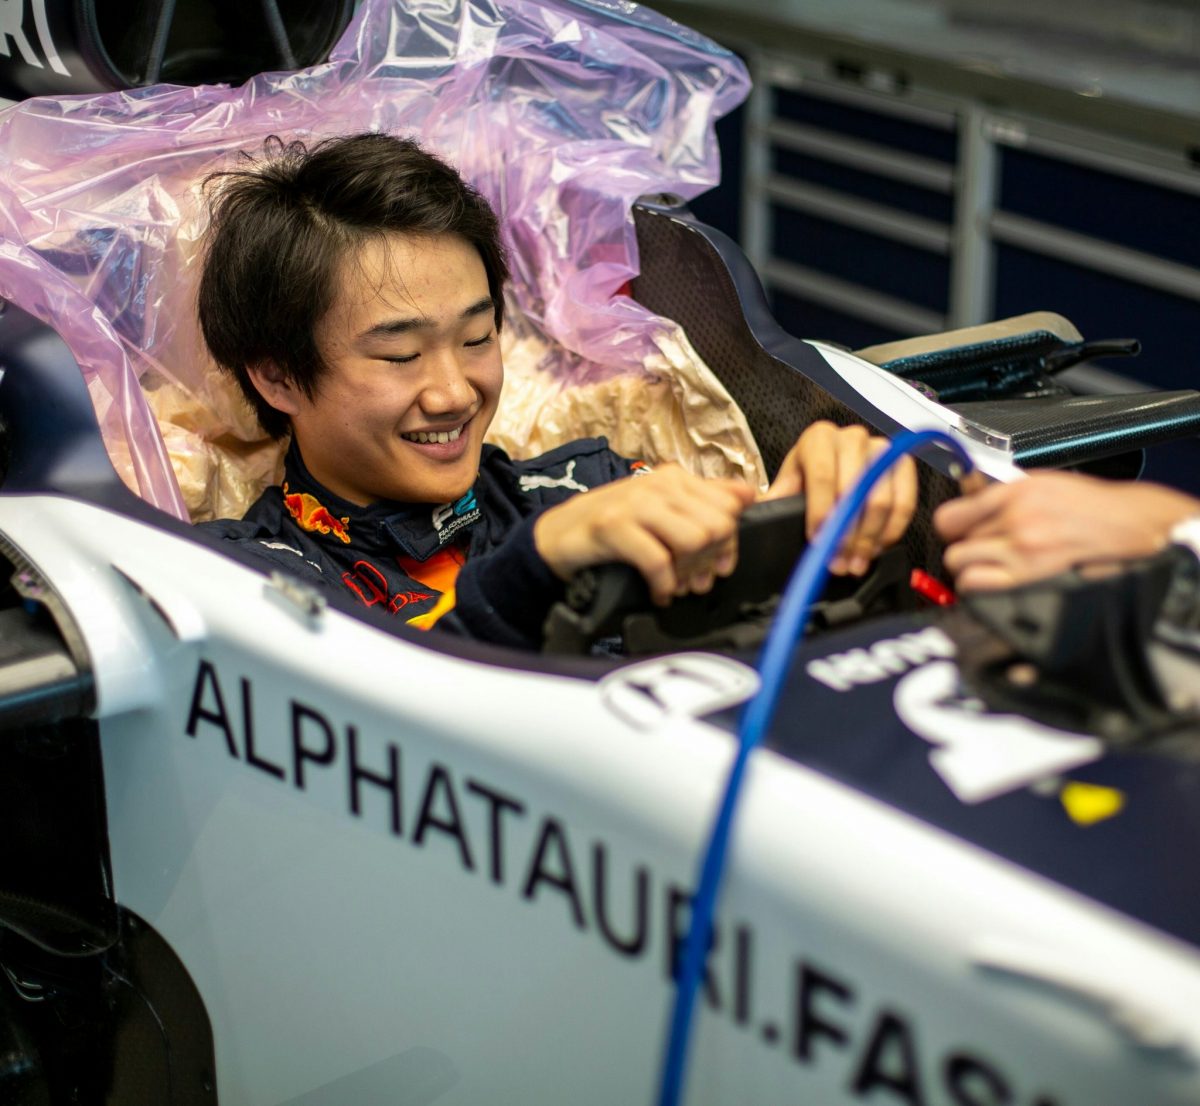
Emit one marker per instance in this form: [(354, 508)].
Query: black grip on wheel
[(601, 601)]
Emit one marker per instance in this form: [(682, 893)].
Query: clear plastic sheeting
[(562, 112)]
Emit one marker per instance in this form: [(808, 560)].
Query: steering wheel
[(612, 601)]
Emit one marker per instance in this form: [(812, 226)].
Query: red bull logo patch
[(312, 515)]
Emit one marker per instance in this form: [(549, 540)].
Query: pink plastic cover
[(561, 111)]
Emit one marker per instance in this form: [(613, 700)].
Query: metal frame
[(978, 225)]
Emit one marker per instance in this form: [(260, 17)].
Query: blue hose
[(802, 590)]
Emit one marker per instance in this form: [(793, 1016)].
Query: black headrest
[(61, 47)]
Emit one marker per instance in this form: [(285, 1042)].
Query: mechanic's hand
[(678, 530), (823, 464), (1009, 534)]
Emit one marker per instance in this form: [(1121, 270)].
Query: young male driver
[(355, 292)]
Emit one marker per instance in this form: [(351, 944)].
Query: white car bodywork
[(396, 874)]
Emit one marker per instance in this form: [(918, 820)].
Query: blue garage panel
[(916, 138), (805, 319), (853, 182), (910, 274), (1142, 216)]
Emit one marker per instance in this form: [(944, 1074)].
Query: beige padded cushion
[(971, 336)]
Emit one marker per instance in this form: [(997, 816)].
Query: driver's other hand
[(1009, 534), (824, 464), (678, 530)]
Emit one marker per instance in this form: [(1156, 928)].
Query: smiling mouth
[(423, 437)]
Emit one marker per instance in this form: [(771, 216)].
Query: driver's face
[(412, 373)]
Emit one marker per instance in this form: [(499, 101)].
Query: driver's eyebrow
[(390, 328)]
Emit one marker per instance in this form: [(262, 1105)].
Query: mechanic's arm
[(1008, 534), (678, 530), (823, 464)]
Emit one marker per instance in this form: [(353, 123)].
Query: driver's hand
[(678, 530), (823, 464)]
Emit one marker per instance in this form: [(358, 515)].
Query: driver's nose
[(447, 389)]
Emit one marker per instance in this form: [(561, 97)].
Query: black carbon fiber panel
[(1056, 431), (684, 278), (163, 1041)]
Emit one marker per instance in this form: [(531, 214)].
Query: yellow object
[(444, 604), (1089, 803)]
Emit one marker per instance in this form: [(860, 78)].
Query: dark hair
[(281, 226)]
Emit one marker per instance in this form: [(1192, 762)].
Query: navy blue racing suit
[(469, 566)]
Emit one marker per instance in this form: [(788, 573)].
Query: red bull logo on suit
[(313, 516)]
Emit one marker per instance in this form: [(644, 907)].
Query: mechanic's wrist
[(1179, 616), (1180, 611), (1186, 533), (1163, 513)]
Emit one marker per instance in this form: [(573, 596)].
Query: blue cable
[(802, 590)]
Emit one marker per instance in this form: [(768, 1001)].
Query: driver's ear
[(276, 387)]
